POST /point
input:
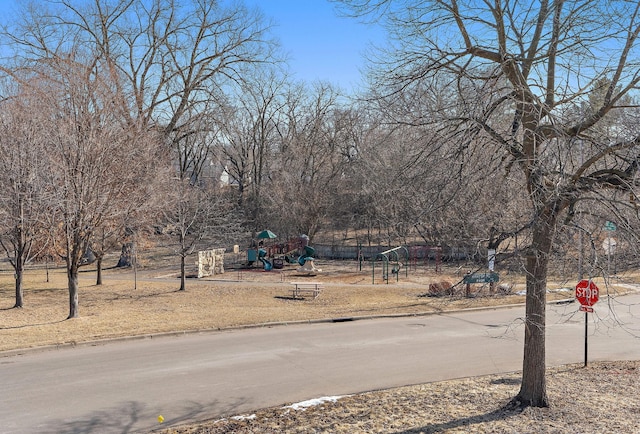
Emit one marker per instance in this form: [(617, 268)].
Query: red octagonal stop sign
[(587, 292)]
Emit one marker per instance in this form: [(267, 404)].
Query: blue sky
[(321, 45)]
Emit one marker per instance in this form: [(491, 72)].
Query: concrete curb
[(33, 350)]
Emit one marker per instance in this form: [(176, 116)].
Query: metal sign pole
[(586, 336)]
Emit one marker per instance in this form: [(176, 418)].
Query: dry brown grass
[(602, 398), (236, 298)]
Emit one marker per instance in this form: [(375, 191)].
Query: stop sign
[(587, 292)]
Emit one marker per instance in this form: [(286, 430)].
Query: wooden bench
[(311, 288)]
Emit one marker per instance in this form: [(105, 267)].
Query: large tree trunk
[(533, 390), (72, 277)]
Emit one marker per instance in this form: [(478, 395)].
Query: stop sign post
[(588, 294)]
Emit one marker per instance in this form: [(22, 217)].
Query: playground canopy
[(266, 234)]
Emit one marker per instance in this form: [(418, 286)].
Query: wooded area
[(503, 125)]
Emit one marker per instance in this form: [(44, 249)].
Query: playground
[(146, 301), (269, 260)]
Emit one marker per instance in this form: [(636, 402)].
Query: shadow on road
[(135, 416)]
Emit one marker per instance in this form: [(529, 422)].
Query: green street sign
[(481, 278), (610, 226)]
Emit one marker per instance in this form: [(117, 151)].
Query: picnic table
[(311, 288)]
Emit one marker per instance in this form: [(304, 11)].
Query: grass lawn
[(148, 302)]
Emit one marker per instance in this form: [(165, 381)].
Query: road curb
[(99, 342)]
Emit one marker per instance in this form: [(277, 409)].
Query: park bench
[(311, 288)]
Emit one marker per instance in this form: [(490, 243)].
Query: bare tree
[(103, 240), (308, 158), (197, 216), (22, 200), (250, 138), (97, 159), (539, 60)]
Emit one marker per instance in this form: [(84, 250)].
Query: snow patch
[(313, 402), (562, 290), (244, 417)]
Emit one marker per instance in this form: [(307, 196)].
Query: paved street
[(123, 386)]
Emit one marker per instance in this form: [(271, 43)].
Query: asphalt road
[(122, 387)]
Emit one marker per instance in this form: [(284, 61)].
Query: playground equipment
[(306, 261), (425, 253), (262, 257), (274, 255), (397, 265), (259, 254), (306, 256), (266, 234)]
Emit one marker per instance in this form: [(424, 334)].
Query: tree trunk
[(99, 269), (533, 390), (72, 277), (19, 291), (182, 273), (126, 255)]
